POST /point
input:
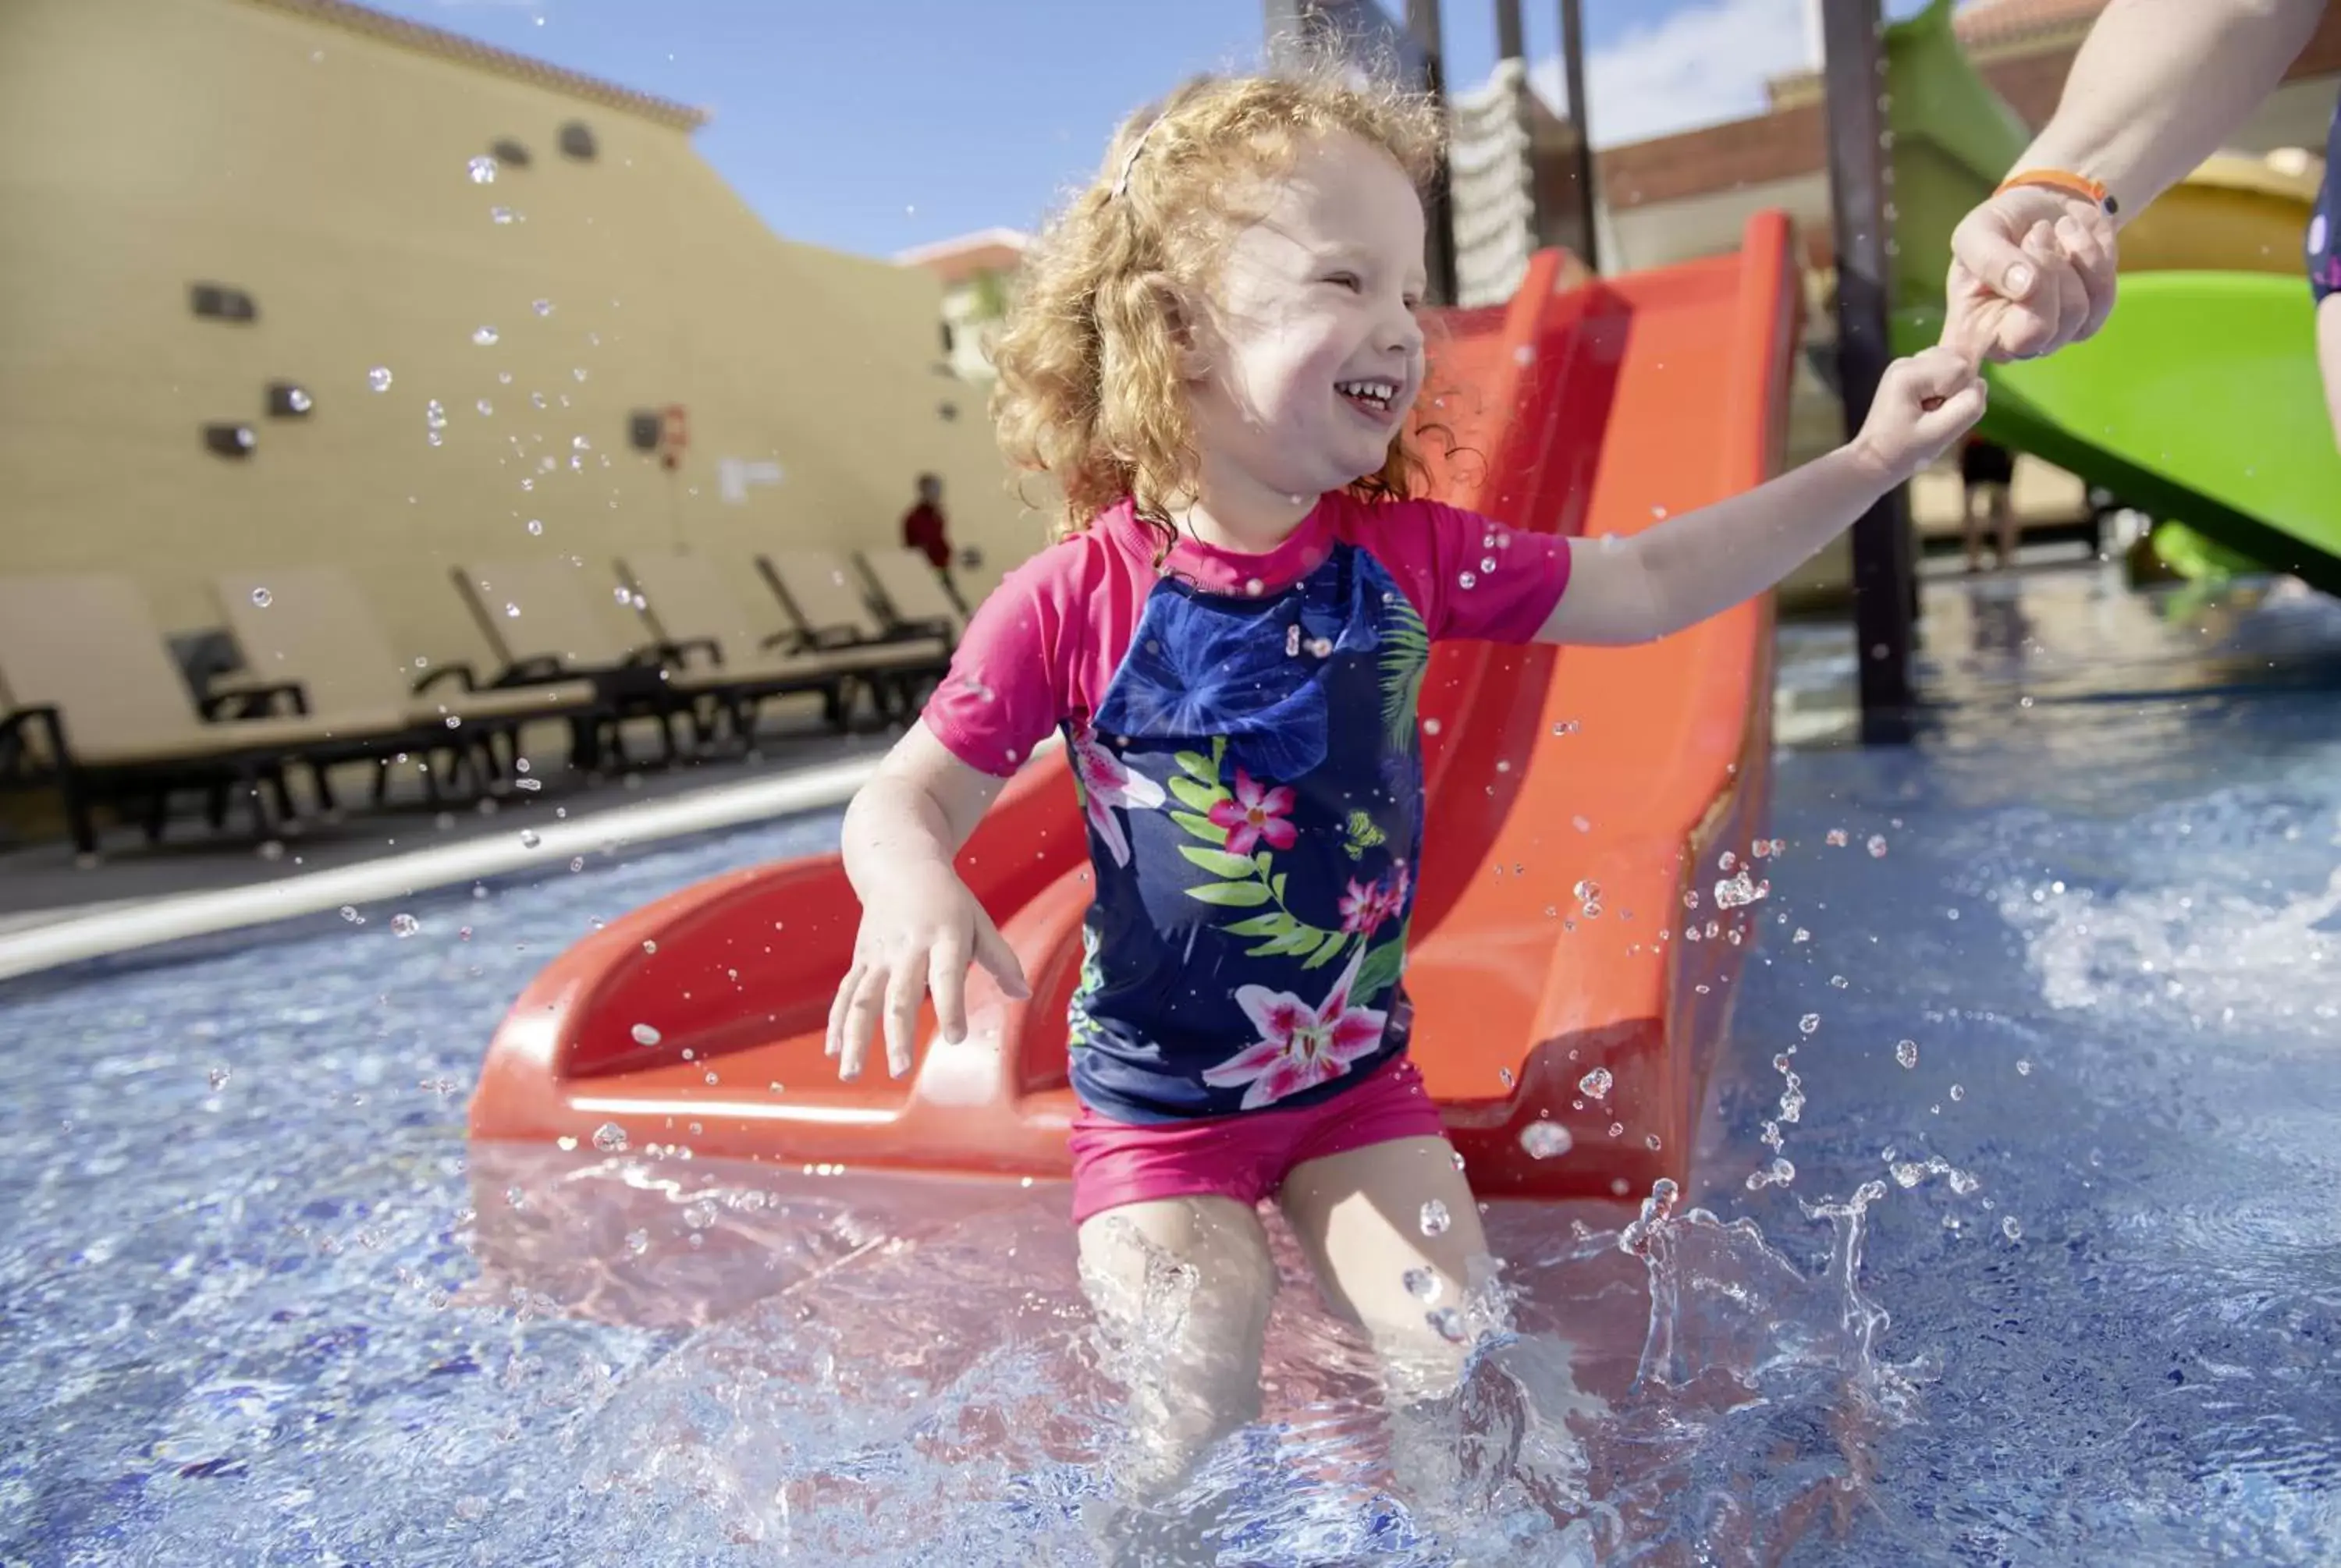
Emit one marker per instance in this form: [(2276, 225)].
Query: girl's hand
[(1924, 403), (919, 932)]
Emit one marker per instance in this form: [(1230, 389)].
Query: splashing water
[(555, 1348)]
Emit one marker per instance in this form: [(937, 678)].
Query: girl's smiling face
[(1306, 359)]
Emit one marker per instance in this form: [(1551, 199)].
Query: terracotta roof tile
[(1992, 23)]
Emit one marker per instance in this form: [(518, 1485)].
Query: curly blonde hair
[(1089, 390)]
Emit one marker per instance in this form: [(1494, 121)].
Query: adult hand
[(2032, 269)]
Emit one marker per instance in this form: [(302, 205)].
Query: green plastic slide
[(2199, 403)]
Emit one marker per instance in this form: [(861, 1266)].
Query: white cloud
[(1707, 62)]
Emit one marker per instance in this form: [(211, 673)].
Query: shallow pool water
[(2067, 1289)]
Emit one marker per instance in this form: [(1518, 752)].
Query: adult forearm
[(2159, 84), (1705, 561)]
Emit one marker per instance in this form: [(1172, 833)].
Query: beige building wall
[(294, 151)]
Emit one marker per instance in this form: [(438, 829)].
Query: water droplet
[(349, 913), (580, 444), (483, 171), (578, 374), (1422, 1283), (434, 414), (644, 1034), (1801, 936), (638, 1242), (1469, 580), (1435, 1218), (1808, 1023), (501, 215), (610, 1137), (1566, 727), (1906, 1052), (536, 525), (218, 1076), (1836, 837), (2024, 1069), (528, 839), (1877, 846), (1545, 1140), (1447, 1321), (2010, 1229), (1431, 727), (484, 336), (262, 598), (405, 925), (1587, 891), (1958, 1091), (1487, 563), (544, 307), (378, 378), (1596, 1084), (512, 610)]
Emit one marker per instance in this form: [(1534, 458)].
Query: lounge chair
[(96, 709), (313, 625), (687, 603), (904, 583), (830, 612), (547, 620)]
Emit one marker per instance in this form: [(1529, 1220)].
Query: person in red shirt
[(923, 526)]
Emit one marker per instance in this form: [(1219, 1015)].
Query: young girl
[(1213, 354)]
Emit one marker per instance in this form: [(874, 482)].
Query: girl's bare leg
[(1393, 1234), (1181, 1288)]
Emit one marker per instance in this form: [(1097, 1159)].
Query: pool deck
[(55, 909)]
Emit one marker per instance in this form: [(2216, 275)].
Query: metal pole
[(1512, 42), (1853, 71), (1288, 29), (1422, 21), (1573, 66)]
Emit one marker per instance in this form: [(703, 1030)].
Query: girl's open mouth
[(1372, 396)]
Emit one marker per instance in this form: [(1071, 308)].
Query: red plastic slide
[(1579, 800)]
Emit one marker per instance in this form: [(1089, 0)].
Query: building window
[(508, 152), (229, 440), (217, 301), (577, 140)]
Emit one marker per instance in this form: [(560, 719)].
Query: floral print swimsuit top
[(1243, 738)]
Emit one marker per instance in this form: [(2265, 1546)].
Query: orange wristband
[(2065, 179)]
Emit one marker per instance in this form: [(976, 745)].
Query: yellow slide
[(2236, 213)]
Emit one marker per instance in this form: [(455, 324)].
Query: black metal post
[(1439, 209), (1511, 41), (1853, 71), (1572, 68)]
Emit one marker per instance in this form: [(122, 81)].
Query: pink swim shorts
[(1245, 1156)]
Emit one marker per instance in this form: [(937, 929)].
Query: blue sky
[(872, 126)]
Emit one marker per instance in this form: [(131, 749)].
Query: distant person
[(1987, 475), (1214, 357), (924, 526)]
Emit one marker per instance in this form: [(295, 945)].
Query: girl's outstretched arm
[(1641, 587)]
